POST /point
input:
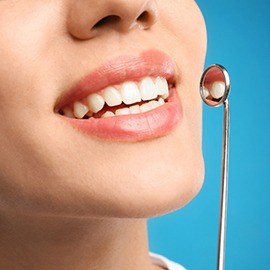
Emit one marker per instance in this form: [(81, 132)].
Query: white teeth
[(161, 101), (80, 110), (95, 102), (124, 111), (112, 96), (154, 90), (205, 92), (134, 109), (130, 93), (148, 89), (162, 86), (145, 107), (154, 104), (217, 89), (166, 94), (107, 114)]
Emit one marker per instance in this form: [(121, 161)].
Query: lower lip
[(135, 127)]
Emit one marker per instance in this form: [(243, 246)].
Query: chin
[(153, 193), (164, 196), (159, 177), (146, 195)]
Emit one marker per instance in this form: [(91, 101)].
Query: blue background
[(239, 39)]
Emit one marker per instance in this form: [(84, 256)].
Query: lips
[(129, 98)]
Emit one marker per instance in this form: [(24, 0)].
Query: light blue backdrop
[(239, 39)]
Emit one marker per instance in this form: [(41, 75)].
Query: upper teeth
[(217, 90), (129, 92)]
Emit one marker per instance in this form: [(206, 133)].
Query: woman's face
[(54, 55)]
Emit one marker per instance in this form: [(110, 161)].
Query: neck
[(29, 242)]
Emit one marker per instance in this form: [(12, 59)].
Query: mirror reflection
[(215, 85)]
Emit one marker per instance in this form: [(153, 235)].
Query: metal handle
[(224, 188)]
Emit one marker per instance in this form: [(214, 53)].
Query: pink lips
[(135, 127)]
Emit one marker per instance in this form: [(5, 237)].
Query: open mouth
[(129, 97)]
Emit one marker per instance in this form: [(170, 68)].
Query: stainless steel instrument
[(214, 90)]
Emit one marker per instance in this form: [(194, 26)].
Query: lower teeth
[(134, 109)]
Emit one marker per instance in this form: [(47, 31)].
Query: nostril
[(108, 20), (117, 16), (144, 17)]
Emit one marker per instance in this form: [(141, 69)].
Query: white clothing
[(164, 262)]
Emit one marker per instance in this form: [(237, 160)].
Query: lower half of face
[(48, 167)]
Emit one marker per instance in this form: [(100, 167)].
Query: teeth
[(130, 93), (68, 113), (145, 107), (162, 86), (205, 92), (95, 102), (112, 96), (218, 89), (80, 110), (124, 111), (166, 95), (154, 104), (134, 109), (161, 101), (107, 114), (148, 89), (154, 90)]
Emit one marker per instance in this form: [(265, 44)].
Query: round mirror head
[(215, 85)]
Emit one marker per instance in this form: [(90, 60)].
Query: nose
[(90, 18)]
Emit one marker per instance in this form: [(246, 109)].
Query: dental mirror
[(214, 90), (215, 85)]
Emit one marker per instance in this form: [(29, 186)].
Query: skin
[(71, 201)]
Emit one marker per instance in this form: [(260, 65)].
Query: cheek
[(190, 31), (184, 20), (27, 41)]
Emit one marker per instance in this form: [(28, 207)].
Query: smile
[(130, 98)]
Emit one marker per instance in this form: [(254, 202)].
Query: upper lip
[(119, 69)]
